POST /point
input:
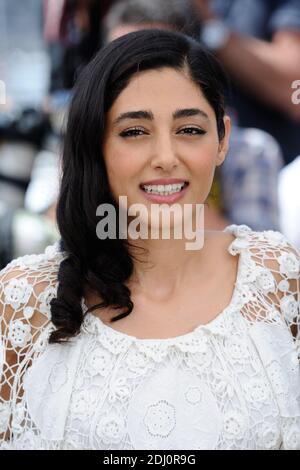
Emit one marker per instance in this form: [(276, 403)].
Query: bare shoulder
[(220, 264), (217, 243)]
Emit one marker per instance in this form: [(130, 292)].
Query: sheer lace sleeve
[(277, 272), (27, 285), (269, 302)]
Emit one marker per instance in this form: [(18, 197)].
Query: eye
[(135, 132), (193, 131)]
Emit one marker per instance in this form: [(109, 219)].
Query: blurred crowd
[(258, 43)]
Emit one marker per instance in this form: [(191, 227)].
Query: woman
[(141, 343)]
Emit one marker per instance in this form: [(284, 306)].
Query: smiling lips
[(164, 190), (164, 186)]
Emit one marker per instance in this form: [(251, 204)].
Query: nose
[(164, 154)]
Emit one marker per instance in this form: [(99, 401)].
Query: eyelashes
[(136, 132)]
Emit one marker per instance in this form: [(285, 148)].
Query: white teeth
[(164, 190)]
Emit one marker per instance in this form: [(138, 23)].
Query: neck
[(164, 267)]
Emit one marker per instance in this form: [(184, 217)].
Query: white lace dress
[(231, 384)]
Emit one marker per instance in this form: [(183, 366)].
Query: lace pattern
[(231, 384)]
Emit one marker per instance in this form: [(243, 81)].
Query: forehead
[(161, 90)]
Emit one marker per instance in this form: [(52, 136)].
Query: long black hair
[(104, 266)]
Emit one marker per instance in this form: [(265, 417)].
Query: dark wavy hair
[(104, 266)]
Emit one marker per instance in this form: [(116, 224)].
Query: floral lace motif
[(231, 384)]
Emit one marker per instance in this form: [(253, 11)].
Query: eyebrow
[(179, 113)]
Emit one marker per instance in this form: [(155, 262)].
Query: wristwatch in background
[(215, 34)]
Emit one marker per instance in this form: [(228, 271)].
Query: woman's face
[(174, 136)]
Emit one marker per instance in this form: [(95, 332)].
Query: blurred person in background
[(245, 186), (72, 30), (23, 230), (126, 16), (22, 133), (30, 137), (258, 42), (27, 225)]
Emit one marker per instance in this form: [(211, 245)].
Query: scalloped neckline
[(212, 325)]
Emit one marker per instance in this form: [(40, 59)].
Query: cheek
[(202, 167), (121, 166), (203, 161)]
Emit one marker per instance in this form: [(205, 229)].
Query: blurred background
[(45, 43)]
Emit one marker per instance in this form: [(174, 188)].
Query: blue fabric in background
[(261, 19)]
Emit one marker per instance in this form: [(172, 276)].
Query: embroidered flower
[(289, 265), (242, 230), (200, 359), (276, 238), (19, 334), (28, 312), (237, 246), (265, 280), (111, 429), (17, 292), (268, 436), (58, 376), (238, 230), (257, 390), (284, 285), (289, 307), (160, 419), (90, 325), (234, 425), (137, 361), (292, 438), (224, 386), (28, 261), (237, 348), (193, 395), (119, 389), (52, 250), (244, 295), (45, 298), (166, 411), (100, 361), (80, 404)]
